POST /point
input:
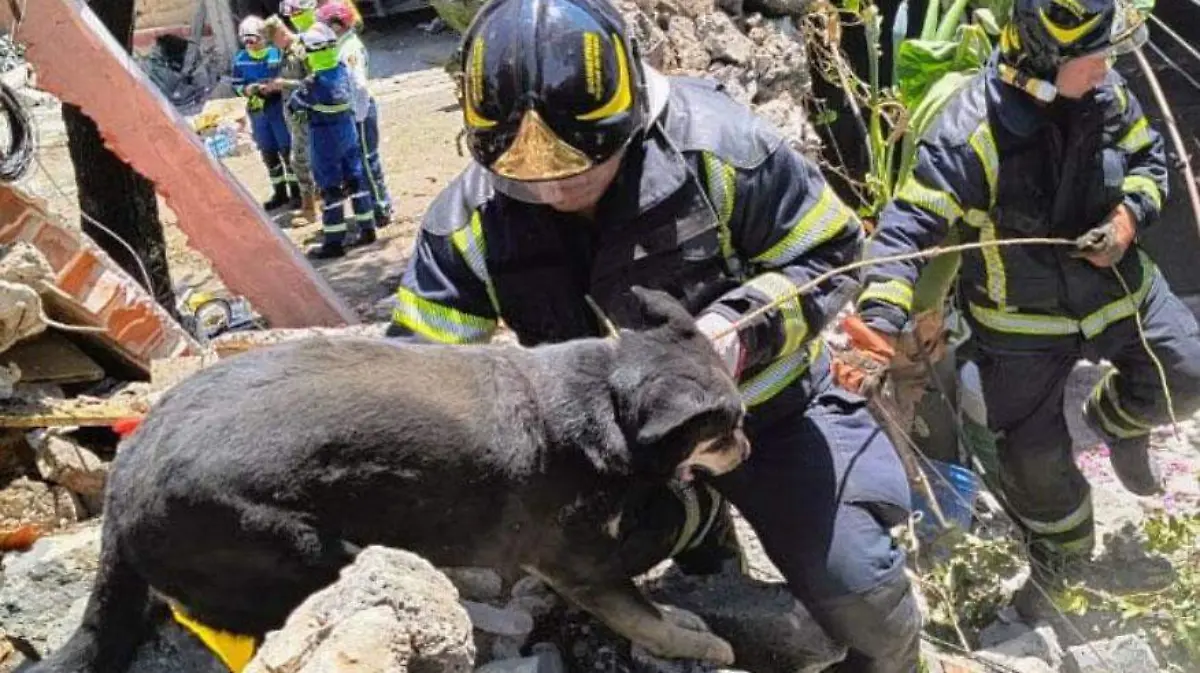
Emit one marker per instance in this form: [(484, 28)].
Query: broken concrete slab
[(66, 463), (51, 357), (1127, 654)]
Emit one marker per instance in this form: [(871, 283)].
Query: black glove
[(1100, 241)]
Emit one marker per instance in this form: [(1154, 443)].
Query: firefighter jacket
[(997, 164), (710, 205)]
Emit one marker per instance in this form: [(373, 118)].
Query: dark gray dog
[(251, 484)]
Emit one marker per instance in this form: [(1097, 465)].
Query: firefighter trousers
[(1024, 393)]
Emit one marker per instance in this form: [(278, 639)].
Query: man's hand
[(861, 369), (1106, 244), (253, 90), (725, 341)]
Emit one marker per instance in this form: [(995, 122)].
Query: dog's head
[(680, 410)]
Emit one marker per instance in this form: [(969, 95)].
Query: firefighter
[(1048, 141), (327, 98), (291, 76), (338, 16), (256, 65), (593, 173), (302, 14)]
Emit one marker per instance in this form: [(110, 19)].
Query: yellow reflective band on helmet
[(932, 200), (622, 98), (1068, 36), (472, 247), (1080, 517), (1137, 137), (537, 153), (474, 94), (439, 323), (234, 650), (779, 289), (993, 259), (898, 293), (779, 374), (721, 184), (1140, 184), (824, 220)]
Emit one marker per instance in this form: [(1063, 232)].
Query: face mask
[(325, 59), (304, 20)]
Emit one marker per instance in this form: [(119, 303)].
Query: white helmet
[(251, 26), (318, 37)]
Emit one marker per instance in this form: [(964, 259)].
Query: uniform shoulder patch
[(702, 118), (451, 210)]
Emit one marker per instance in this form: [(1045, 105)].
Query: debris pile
[(760, 58)]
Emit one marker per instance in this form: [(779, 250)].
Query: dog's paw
[(683, 618)]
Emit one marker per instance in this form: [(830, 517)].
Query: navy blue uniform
[(336, 161), (997, 165), (712, 206), (267, 122)]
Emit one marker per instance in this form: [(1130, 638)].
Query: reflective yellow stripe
[(824, 220), (721, 183), (779, 374), (234, 650), (1140, 184), (1081, 516), (1023, 323), (1137, 138), (1083, 545), (932, 200), (984, 144), (1120, 309), (439, 323), (898, 293), (1050, 325), (778, 288), (339, 228), (1122, 99), (472, 247), (1113, 428), (993, 260), (1104, 390), (331, 109)]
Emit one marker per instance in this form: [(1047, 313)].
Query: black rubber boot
[(279, 199), (1135, 467), (295, 197), (326, 251)]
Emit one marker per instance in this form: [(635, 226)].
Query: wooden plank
[(221, 219), (52, 358), (76, 411)]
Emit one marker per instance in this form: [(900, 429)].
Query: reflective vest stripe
[(777, 287), (824, 220), (438, 322), (472, 246), (779, 374), (993, 261)]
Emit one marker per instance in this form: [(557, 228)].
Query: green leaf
[(921, 63), (987, 20)]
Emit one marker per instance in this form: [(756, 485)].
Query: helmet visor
[(568, 193)]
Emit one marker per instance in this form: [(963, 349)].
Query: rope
[(1162, 55), (1177, 37), (14, 162)]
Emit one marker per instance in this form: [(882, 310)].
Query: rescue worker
[(593, 173), (291, 77), (338, 16), (302, 14), (327, 97), (256, 65), (1048, 141)]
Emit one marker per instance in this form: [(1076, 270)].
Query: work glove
[(1106, 244), (725, 340), (861, 369)]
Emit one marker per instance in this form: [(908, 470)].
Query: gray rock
[(512, 622), (1040, 643), (390, 611), (46, 588), (533, 596), (769, 630), (777, 7), (723, 40), (546, 660), (25, 501), (66, 463), (695, 8), (689, 54), (476, 584), (1127, 654)]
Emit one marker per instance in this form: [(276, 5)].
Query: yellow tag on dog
[(234, 650)]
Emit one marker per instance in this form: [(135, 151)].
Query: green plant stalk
[(878, 143), (932, 11), (949, 23)]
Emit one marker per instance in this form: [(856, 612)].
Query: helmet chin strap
[(1040, 89)]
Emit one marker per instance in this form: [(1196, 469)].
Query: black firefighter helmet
[(551, 88), (1044, 34)]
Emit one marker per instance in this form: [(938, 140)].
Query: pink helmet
[(335, 11)]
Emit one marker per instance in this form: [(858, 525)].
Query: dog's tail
[(116, 620)]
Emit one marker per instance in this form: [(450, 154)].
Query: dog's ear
[(659, 309), (666, 409)]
